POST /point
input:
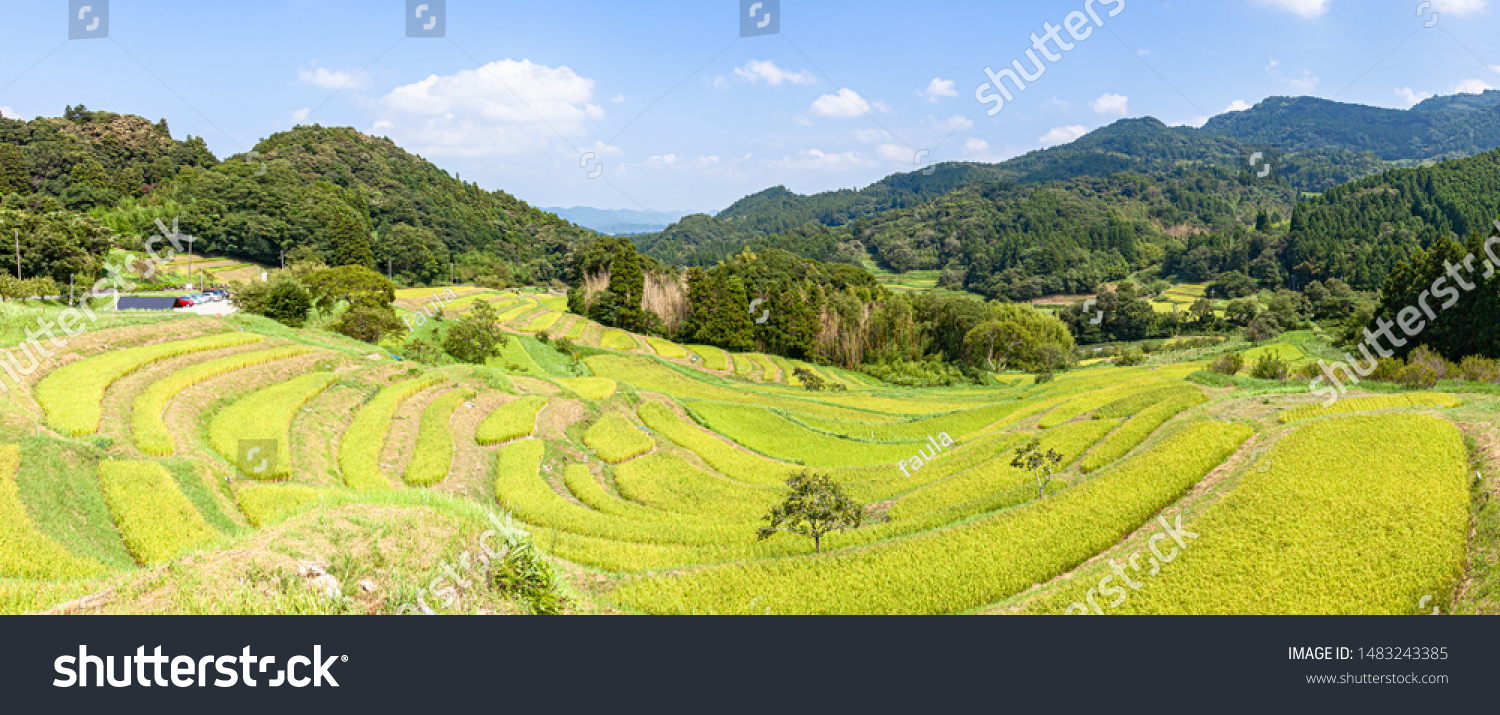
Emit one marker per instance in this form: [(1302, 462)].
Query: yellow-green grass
[(957, 424), (712, 358), (156, 522), (617, 340), (1093, 400), (1357, 515), (25, 552), (1289, 353), (668, 482), (513, 352), (267, 504), (1370, 404), (994, 476), (525, 307), (590, 388), (762, 430), (71, 394), (1138, 428), (266, 414), (1133, 404), (404, 293), (577, 331), (541, 322), (555, 302), (667, 348), (963, 567), (788, 375), (359, 448), (768, 370), (615, 438), (743, 365), (433, 456), (582, 484), (510, 421), (149, 429)]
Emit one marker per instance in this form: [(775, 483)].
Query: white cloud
[(975, 145), (1116, 104), (847, 104), (821, 161), (721, 82), (301, 115), (617, 98), (871, 136), (1273, 65), (661, 162), (599, 148), (937, 89), (897, 153), (1238, 105), (1472, 86), (1305, 8), (1055, 102), (1411, 97), (708, 161), (9, 113), (1143, 52), (957, 122), (767, 71), (1062, 135), (1304, 84), (1195, 122), (1460, 7), (501, 108), (329, 79)]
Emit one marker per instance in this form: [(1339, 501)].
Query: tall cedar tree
[(628, 284), (348, 243), (14, 177), (1466, 327)]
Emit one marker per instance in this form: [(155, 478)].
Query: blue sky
[(684, 114)]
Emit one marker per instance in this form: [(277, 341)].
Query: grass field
[(643, 475)]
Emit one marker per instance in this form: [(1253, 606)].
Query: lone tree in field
[(815, 506), (477, 337), (1042, 465)]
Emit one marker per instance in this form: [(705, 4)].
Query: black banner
[(717, 664)]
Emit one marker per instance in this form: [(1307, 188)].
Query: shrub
[(1387, 370), (1478, 369), (368, 324), (287, 303), (1131, 358), (474, 341), (357, 285), (422, 351), (1229, 364), (1270, 367), (1418, 376), (1432, 362)]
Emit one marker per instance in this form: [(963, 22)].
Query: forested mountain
[(285, 195), (1359, 231), (1316, 145), (1458, 125)]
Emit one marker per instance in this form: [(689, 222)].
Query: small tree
[(810, 381), (476, 337), (1042, 465), (815, 506), (287, 303)]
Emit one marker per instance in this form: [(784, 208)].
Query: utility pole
[(70, 290), (283, 259), (18, 254), (190, 260), (387, 269)]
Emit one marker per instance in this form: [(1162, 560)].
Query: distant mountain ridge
[(620, 222)]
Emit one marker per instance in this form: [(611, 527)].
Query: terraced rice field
[(645, 474)]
